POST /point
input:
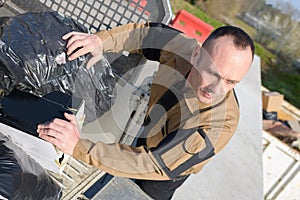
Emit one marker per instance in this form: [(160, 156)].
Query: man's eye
[(230, 82)]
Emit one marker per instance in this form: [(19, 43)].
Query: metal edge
[(13, 8), (168, 10)]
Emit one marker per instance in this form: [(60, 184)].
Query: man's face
[(218, 68)]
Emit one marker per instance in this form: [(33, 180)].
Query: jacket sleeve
[(148, 39), (139, 162), (119, 159), (172, 159), (127, 37)]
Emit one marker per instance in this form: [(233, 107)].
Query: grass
[(268, 59), (248, 29), (285, 83), (179, 5)]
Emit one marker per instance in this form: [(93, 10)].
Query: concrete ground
[(235, 173)]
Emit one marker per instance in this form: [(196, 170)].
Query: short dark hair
[(240, 38)]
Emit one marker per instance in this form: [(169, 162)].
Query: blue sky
[(295, 3)]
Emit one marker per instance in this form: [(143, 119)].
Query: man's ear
[(195, 57)]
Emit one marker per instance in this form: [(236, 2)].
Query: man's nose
[(216, 87)]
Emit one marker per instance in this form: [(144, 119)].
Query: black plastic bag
[(21, 177), (33, 59)]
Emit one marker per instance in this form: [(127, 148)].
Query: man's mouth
[(207, 94)]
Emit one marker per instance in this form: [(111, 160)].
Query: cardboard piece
[(272, 101), (285, 116)]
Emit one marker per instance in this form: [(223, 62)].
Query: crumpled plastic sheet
[(33, 59), (21, 177)]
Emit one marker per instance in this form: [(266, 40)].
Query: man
[(193, 111)]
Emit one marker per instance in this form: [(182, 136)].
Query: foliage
[(267, 58), (179, 5)]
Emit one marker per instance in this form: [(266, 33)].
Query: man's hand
[(63, 134), (80, 44)]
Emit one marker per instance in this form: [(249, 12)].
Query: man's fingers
[(50, 139), (79, 52), (75, 38), (52, 129), (58, 125), (70, 34), (80, 44), (74, 46), (63, 134), (71, 118)]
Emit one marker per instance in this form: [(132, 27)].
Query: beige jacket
[(150, 161)]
